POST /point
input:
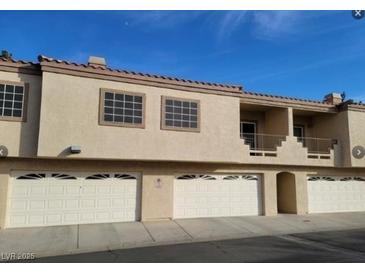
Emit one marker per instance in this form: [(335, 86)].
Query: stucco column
[(301, 192), (269, 194), (4, 184), (157, 196), (290, 121)]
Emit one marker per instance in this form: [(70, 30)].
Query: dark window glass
[(108, 110), (185, 117), (185, 124), (11, 100), (194, 118), (19, 90), (118, 111), (181, 114), (108, 118), (108, 103), (118, 104), (137, 113), (17, 105), (9, 96), (137, 120), (177, 123), (186, 104), (9, 89), (128, 112), (8, 104), (109, 95), (17, 113), (128, 119), (119, 97), (7, 112), (129, 105), (124, 108), (129, 98), (18, 97), (118, 118), (138, 99)]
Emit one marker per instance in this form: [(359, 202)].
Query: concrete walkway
[(60, 240)]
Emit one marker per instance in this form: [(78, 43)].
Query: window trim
[(23, 118), (117, 124), (163, 111)]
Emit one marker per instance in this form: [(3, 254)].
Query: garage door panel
[(216, 195), (59, 199), (335, 194)]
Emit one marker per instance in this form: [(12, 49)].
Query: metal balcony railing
[(317, 145), (262, 142)]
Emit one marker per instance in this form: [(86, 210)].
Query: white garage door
[(217, 195), (58, 198), (336, 194)]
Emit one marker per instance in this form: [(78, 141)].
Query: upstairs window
[(180, 114), (12, 98), (120, 108)]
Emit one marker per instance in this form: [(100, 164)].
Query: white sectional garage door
[(217, 195), (61, 198), (336, 194)]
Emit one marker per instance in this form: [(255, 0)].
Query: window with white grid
[(122, 108), (181, 114), (11, 101)]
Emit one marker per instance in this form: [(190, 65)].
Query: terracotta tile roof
[(11, 60), (266, 95), (234, 88)]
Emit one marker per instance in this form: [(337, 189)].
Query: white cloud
[(230, 21), (160, 19), (271, 24)]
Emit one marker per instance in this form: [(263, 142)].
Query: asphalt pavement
[(326, 247)]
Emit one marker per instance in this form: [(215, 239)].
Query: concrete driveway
[(62, 240), (326, 247)]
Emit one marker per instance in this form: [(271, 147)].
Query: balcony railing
[(262, 142), (317, 145)]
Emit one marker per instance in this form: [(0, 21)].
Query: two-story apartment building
[(83, 143)]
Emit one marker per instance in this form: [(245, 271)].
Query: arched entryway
[(286, 193)]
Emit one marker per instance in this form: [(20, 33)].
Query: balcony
[(318, 148), (263, 144)]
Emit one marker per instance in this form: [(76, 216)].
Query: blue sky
[(304, 54)]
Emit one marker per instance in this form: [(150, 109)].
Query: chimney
[(98, 62), (333, 98)]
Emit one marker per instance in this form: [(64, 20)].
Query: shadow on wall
[(29, 129)]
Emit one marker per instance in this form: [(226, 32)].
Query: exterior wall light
[(75, 149)]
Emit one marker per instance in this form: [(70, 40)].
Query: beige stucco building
[(83, 143)]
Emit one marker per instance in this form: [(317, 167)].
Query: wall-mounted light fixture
[(75, 149)]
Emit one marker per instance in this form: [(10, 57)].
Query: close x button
[(358, 14)]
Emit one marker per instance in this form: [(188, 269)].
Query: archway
[(286, 193)]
